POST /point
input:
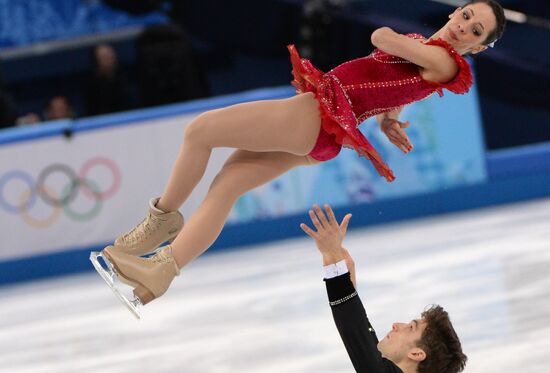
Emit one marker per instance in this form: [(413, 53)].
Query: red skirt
[(334, 133)]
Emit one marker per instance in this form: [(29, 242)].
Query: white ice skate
[(110, 276)]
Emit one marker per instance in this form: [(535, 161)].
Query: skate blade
[(109, 277)]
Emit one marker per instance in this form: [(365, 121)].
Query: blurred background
[(94, 98), (53, 48)]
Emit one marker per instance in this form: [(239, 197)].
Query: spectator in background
[(8, 110), (58, 107), (315, 31), (168, 70), (108, 89), (28, 119)]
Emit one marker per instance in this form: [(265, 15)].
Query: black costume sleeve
[(354, 327)]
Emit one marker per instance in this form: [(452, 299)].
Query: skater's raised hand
[(328, 233), (395, 131)]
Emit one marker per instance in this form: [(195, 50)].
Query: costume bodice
[(367, 86), (382, 82)]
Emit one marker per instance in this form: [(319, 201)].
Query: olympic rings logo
[(59, 196)]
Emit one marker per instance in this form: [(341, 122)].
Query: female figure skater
[(272, 137)]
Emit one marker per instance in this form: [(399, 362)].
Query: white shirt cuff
[(335, 270)]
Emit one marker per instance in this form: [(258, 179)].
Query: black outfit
[(355, 329), (8, 110), (108, 94), (168, 69)]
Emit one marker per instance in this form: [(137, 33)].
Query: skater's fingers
[(330, 214), (403, 140), (393, 138), (310, 232), (394, 130), (344, 224), (315, 221), (395, 141), (396, 133), (401, 134), (404, 124), (321, 215), (389, 123), (401, 147)]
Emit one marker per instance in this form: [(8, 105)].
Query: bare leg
[(290, 125), (151, 277), (243, 171)]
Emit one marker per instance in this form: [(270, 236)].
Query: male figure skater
[(425, 345)]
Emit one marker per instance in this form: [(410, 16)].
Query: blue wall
[(514, 175)]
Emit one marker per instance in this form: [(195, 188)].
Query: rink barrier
[(515, 175), (518, 161), (504, 190)]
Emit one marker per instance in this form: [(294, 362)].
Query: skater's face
[(469, 27), (401, 342)]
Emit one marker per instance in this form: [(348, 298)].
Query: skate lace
[(142, 230), (162, 257)]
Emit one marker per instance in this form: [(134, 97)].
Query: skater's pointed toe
[(150, 277), (111, 252), (109, 275), (110, 247)]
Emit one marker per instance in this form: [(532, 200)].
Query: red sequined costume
[(367, 86)]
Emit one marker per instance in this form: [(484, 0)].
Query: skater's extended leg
[(242, 172), (289, 125), (285, 126)]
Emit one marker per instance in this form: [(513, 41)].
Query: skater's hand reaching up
[(329, 234), (395, 131)]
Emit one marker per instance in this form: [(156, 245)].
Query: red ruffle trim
[(463, 80), (357, 141), (306, 76), (307, 79)]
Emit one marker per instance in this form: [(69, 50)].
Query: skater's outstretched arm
[(470, 30), (435, 61), (347, 309)]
